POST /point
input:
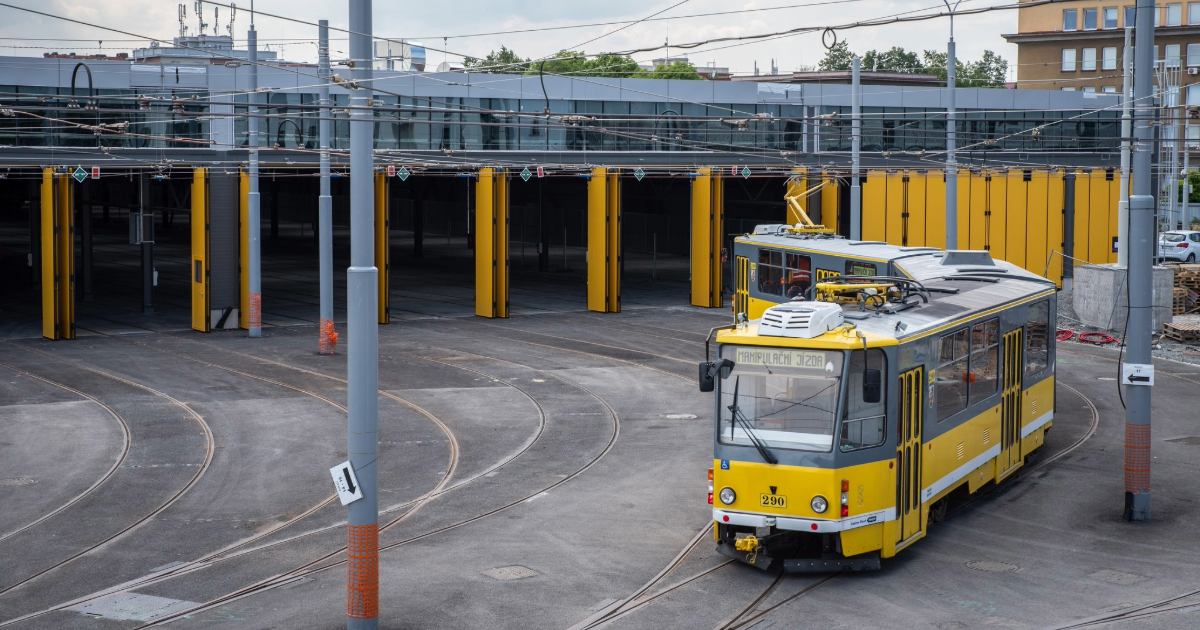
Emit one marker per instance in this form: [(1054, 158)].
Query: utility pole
[(253, 216), (1126, 130), (1141, 252), (327, 342), (951, 164), (855, 148), (362, 584), (147, 253)]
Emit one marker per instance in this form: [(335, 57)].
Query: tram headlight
[(819, 504), (728, 496)]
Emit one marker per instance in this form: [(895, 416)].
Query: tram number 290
[(772, 501)]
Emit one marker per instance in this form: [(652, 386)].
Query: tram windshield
[(785, 398)]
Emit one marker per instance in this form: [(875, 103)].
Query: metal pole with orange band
[(362, 540)]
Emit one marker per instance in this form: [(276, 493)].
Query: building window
[(1193, 132), (1109, 89), (1172, 56), (1174, 14), (1110, 17), (952, 374), (1129, 13), (1068, 89), (1108, 58), (1193, 94), (1089, 59), (1193, 54), (1070, 20), (1194, 13), (1068, 62), (783, 274), (1089, 19), (1089, 90)]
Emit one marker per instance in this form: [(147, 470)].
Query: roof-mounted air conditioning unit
[(802, 320)]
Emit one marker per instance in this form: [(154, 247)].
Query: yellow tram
[(863, 388)]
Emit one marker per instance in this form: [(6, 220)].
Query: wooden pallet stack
[(1183, 333), (1186, 296)]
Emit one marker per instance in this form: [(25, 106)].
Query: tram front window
[(785, 398)]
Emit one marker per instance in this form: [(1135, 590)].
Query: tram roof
[(966, 286)]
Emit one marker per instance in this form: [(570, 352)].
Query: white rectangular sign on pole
[(1137, 374), (346, 483)]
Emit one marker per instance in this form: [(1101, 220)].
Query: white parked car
[(1179, 245)]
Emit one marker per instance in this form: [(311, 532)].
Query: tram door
[(908, 454), (741, 297), (1010, 406)]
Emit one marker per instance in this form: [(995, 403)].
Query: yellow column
[(199, 267), (244, 250), (604, 242), (382, 251), (49, 238), (708, 210), (491, 243)]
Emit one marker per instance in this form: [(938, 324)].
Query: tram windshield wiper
[(736, 416)]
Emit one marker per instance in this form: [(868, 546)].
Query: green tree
[(680, 70), (503, 62), (836, 58), (990, 71), (895, 60)]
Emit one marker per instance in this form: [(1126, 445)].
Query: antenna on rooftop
[(232, 17), (182, 17), (216, 20), (200, 15)]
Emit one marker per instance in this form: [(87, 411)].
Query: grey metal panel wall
[(223, 241)]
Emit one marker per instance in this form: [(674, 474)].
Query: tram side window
[(952, 374), (797, 276), (770, 272), (781, 274), (985, 359), (863, 423), (1037, 337)]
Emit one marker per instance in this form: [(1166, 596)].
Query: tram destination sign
[(775, 358)]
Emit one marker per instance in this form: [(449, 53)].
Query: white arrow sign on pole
[(1137, 374), (346, 483)]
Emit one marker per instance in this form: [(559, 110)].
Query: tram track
[(103, 478), (210, 451), (414, 505), (323, 563)]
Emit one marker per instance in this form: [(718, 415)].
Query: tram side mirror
[(872, 386), (710, 370)]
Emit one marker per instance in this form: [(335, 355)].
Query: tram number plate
[(772, 501)]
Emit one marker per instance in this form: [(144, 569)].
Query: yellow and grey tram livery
[(849, 417)]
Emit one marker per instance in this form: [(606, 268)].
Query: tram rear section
[(848, 418)]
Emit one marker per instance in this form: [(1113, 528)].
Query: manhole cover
[(678, 416), (18, 481), (991, 566), (1191, 440), (1116, 577), (514, 572)]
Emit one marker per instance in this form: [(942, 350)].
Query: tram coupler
[(761, 552)]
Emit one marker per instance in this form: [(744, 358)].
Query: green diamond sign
[(525, 174), (639, 174), (403, 173), (746, 172), (79, 174)]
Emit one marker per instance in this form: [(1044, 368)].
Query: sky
[(462, 23)]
